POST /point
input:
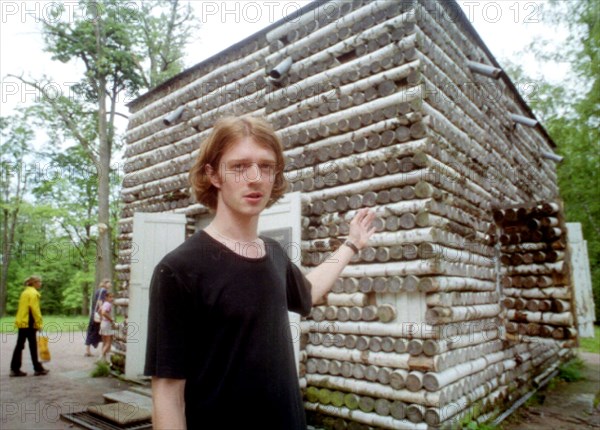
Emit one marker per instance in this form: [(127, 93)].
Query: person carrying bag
[(28, 321)]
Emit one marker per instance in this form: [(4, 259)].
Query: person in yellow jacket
[(28, 321)]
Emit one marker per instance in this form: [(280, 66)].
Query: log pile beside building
[(536, 277), (396, 106)]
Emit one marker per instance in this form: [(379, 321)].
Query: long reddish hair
[(227, 131)]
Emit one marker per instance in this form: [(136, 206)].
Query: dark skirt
[(93, 333)]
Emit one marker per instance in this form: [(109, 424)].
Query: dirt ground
[(36, 402), (563, 405)]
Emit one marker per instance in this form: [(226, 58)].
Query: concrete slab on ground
[(122, 414), (131, 398)]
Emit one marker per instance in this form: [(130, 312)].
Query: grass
[(591, 344), (571, 371), (52, 323), (469, 421), (536, 400)]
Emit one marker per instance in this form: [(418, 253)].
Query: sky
[(506, 26)]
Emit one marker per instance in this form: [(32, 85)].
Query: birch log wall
[(536, 277), (397, 106)]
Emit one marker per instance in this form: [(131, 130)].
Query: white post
[(582, 280), (154, 235)]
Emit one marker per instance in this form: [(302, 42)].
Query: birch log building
[(462, 303)]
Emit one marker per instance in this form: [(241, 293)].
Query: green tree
[(571, 113), (25, 251), (71, 292), (578, 132), (109, 41), (39, 248), (70, 189), (104, 44), (166, 28), (16, 169)]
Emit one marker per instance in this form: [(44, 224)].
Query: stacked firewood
[(395, 376), (535, 277), (528, 366)]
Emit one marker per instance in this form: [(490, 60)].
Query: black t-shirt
[(220, 321)]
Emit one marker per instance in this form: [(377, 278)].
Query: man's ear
[(213, 176)]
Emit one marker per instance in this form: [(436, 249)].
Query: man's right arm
[(168, 409)]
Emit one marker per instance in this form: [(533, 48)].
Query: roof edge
[(302, 11), (464, 20), (462, 17)]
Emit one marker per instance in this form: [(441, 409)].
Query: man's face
[(246, 174)]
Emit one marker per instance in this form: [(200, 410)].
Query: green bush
[(571, 371), (102, 369)]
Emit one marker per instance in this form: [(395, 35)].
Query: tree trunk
[(8, 236), (86, 288), (103, 246), (8, 232), (6, 251), (85, 292)]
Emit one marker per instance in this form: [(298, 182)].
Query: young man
[(219, 348), (28, 321)]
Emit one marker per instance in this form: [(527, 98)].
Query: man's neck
[(242, 229)]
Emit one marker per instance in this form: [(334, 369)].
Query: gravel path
[(36, 402)]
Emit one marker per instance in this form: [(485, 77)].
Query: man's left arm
[(324, 275)]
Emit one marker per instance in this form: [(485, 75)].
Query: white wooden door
[(154, 235)]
